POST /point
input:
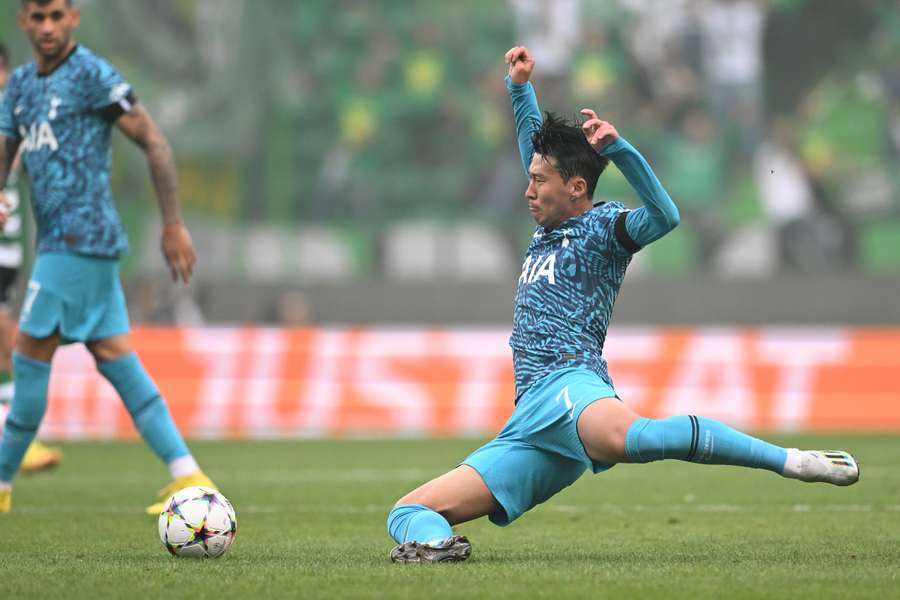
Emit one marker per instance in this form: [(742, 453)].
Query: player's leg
[(118, 363), (611, 433), (38, 457), (31, 363), (420, 521)]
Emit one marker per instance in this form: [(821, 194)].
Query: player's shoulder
[(89, 64), (20, 75), (605, 211)]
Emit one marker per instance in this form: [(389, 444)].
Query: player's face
[(4, 74), (550, 199), (49, 27)]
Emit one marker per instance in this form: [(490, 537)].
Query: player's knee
[(603, 428)]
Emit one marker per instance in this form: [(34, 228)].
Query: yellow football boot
[(39, 457), (179, 483), (5, 501)]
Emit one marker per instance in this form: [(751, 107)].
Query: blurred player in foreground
[(59, 111), (38, 457), (567, 417)]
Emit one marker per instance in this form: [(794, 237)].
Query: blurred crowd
[(775, 124)]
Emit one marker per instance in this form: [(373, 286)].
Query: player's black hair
[(4, 55), (564, 142)]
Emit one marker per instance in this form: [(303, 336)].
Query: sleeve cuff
[(516, 87)]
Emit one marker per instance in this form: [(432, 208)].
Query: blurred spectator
[(661, 40), (808, 239), (733, 66), (695, 167), (552, 31), (293, 309), (154, 300)]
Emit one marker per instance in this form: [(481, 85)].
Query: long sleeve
[(528, 117), (658, 215)]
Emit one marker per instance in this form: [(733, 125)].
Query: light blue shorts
[(539, 452), (79, 296)]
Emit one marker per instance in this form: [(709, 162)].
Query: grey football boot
[(453, 549)]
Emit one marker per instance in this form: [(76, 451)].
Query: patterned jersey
[(565, 295), (63, 120), (572, 274)]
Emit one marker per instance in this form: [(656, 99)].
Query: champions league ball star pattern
[(197, 522)]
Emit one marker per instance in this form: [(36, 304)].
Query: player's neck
[(46, 66), (576, 212)]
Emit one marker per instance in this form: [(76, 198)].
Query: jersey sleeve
[(107, 91), (658, 215), (7, 110), (609, 232), (527, 114)]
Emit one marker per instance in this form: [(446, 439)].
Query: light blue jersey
[(571, 275), (63, 120)]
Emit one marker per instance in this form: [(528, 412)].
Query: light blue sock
[(146, 406), (700, 440), (414, 522), (26, 412)]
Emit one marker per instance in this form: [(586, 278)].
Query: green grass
[(311, 524)]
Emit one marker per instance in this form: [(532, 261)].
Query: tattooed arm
[(176, 241)]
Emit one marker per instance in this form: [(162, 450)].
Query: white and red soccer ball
[(197, 522)]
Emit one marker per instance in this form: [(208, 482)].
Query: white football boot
[(829, 466)]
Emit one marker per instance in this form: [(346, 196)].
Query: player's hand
[(4, 210), (521, 64), (178, 249), (598, 133)]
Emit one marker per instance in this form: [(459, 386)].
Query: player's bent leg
[(701, 440), (603, 426), (31, 363), (421, 521), (122, 368)]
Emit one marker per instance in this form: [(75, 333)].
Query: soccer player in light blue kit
[(567, 417), (59, 111)]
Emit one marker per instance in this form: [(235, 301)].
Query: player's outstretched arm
[(658, 215), (177, 246), (524, 100)]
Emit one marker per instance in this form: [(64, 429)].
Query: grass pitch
[(311, 524)]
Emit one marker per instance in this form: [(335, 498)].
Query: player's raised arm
[(524, 101), (658, 215), (177, 246)]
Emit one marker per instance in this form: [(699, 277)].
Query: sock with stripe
[(146, 406), (700, 440), (414, 522), (26, 413)]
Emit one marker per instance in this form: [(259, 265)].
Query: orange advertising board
[(418, 382)]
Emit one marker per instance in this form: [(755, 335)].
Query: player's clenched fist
[(521, 64), (598, 133)]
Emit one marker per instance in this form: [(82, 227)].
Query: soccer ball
[(197, 522)]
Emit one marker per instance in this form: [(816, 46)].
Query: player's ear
[(76, 15), (577, 187)]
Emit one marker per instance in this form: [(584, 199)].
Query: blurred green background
[(340, 141)]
